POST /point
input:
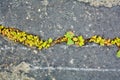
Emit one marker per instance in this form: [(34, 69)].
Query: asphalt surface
[(53, 18)]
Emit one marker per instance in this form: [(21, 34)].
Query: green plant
[(69, 37)]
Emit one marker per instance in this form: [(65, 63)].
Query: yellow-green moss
[(69, 37)]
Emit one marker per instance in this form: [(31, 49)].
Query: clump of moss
[(69, 38), (106, 3), (15, 74)]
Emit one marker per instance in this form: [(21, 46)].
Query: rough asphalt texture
[(53, 19)]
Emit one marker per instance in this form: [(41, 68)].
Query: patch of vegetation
[(69, 37)]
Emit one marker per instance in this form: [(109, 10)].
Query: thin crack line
[(75, 69), (25, 48)]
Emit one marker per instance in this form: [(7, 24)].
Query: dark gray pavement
[(53, 18)]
